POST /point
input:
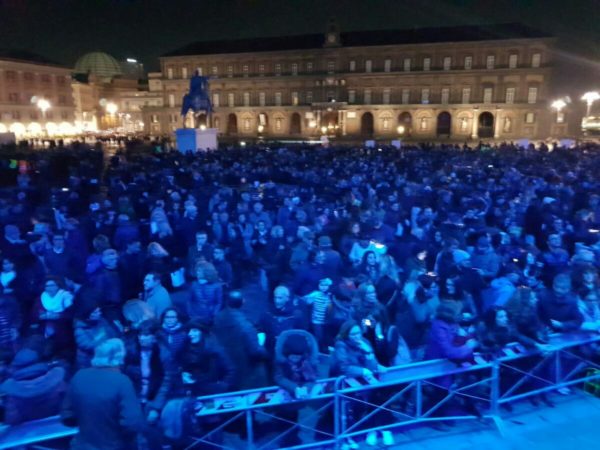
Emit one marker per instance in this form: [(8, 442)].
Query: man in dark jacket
[(239, 338), (101, 401), (281, 316), (558, 307), (34, 390)]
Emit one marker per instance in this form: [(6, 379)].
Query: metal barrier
[(418, 393), (404, 395)]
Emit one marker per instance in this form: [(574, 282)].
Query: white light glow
[(261, 128), (400, 129), (111, 108), (131, 60), (43, 104), (559, 104)]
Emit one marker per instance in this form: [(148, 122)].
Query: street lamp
[(261, 128), (111, 108), (558, 105), (44, 105), (400, 129), (590, 98)]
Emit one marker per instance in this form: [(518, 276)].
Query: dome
[(98, 63)]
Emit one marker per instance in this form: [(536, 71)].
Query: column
[(475, 123), (497, 124), (344, 114)]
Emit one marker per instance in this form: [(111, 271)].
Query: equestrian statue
[(198, 100)]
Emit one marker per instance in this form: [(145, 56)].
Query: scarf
[(57, 304)]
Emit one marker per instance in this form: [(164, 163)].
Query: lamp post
[(111, 110), (558, 105), (44, 105), (590, 98)]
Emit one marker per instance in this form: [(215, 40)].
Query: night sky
[(63, 30)]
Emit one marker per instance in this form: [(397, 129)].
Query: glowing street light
[(44, 105), (590, 98), (400, 129), (261, 128), (323, 129), (111, 108), (558, 105)]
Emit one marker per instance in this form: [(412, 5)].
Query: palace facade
[(457, 83)]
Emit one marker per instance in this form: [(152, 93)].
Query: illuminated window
[(215, 70), (426, 64), (387, 65), (405, 96), (262, 98), (171, 100), (351, 96), (170, 73), (560, 117), (510, 95), (215, 99), (490, 61), (294, 68), (277, 98), (468, 62), (536, 59), (529, 117), (513, 61), (278, 69), (295, 100), (231, 100), (352, 66), (229, 70), (445, 97), (447, 64), (386, 97), (246, 98), (406, 64), (425, 96), (368, 65), (184, 72), (367, 98), (488, 93), (466, 95), (532, 93)]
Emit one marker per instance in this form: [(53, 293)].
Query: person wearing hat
[(205, 367), (333, 260), (34, 390)]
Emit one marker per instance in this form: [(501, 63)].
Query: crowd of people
[(199, 274)]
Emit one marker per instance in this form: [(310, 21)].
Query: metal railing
[(407, 395)]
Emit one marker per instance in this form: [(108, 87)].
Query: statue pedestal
[(194, 139)]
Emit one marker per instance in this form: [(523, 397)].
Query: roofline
[(544, 36), (35, 63), (549, 39)]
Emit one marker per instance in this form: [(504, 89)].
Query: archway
[(405, 124), (232, 124), (444, 124), (486, 125), (295, 124), (366, 124), (202, 120)]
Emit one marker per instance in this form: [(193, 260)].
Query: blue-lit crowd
[(152, 276)]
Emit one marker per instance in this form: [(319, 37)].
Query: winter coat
[(565, 310), (174, 339), (102, 402), (160, 380), (33, 392), (350, 360), (441, 343), (238, 336), (210, 367), (204, 301)]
